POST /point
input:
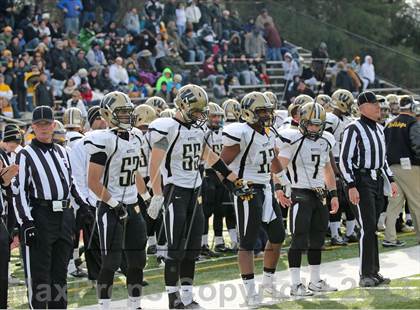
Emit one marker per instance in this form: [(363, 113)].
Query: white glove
[(156, 204), (285, 182)]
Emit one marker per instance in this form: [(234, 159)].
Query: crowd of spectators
[(72, 56)]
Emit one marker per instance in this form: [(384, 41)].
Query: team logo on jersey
[(200, 200), (137, 209)]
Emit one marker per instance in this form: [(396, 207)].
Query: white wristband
[(145, 196), (112, 202)]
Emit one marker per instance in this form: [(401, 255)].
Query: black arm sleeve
[(99, 158)]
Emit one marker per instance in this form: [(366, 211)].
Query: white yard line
[(342, 274)]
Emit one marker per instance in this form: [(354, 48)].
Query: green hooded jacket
[(163, 78)]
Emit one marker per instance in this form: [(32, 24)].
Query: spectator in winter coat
[(95, 56), (43, 92), (165, 77), (110, 8), (131, 21), (274, 44), (263, 18), (255, 43), (76, 102), (88, 14), (343, 79), (290, 67), (181, 19), (367, 73), (194, 52), (71, 10), (169, 12), (193, 14), (117, 73)]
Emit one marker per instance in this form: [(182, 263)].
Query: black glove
[(29, 233), (121, 211), (86, 214)]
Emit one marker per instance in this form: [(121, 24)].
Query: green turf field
[(400, 294), (208, 271)]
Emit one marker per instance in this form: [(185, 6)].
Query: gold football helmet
[(59, 135), (168, 113), (273, 98), (192, 102), (157, 103), (392, 99), (312, 113), (215, 110), (299, 100), (325, 101), (232, 110), (117, 109), (144, 114), (72, 118), (342, 100), (252, 105)]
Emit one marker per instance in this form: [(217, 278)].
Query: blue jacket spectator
[(71, 9)]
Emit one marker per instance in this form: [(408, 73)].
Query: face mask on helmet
[(124, 117), (265, 117), (312, 122), (312, 133), (196, 116), (215, 121)]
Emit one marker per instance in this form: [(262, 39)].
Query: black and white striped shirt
[(44, 174), (363, 147)]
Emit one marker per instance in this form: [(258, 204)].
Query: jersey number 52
[(129, 167)]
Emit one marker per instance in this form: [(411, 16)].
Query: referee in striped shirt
[(365, 170), (44, 186)]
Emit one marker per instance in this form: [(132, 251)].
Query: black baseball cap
[(367, 97), (42, 113)]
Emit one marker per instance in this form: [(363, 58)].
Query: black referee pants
[(371, 205), (46, 261), (4, 263)]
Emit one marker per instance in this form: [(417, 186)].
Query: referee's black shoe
[(381, 279), (366, 281)]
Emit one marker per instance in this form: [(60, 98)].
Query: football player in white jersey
[(145, 114), (79, 159), (305, 153), (336, 122), (385, 110), (292, 121), (178, 146), (250, 150), (113, 176), (74, 124), (157, 103), (326, 102), (216, 198), (232, 110)]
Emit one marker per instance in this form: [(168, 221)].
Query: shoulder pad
[(99, 141), (329, 137), (289, 135), (233, 133)]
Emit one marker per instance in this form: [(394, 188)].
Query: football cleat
[(300, 290), (321, 286)]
